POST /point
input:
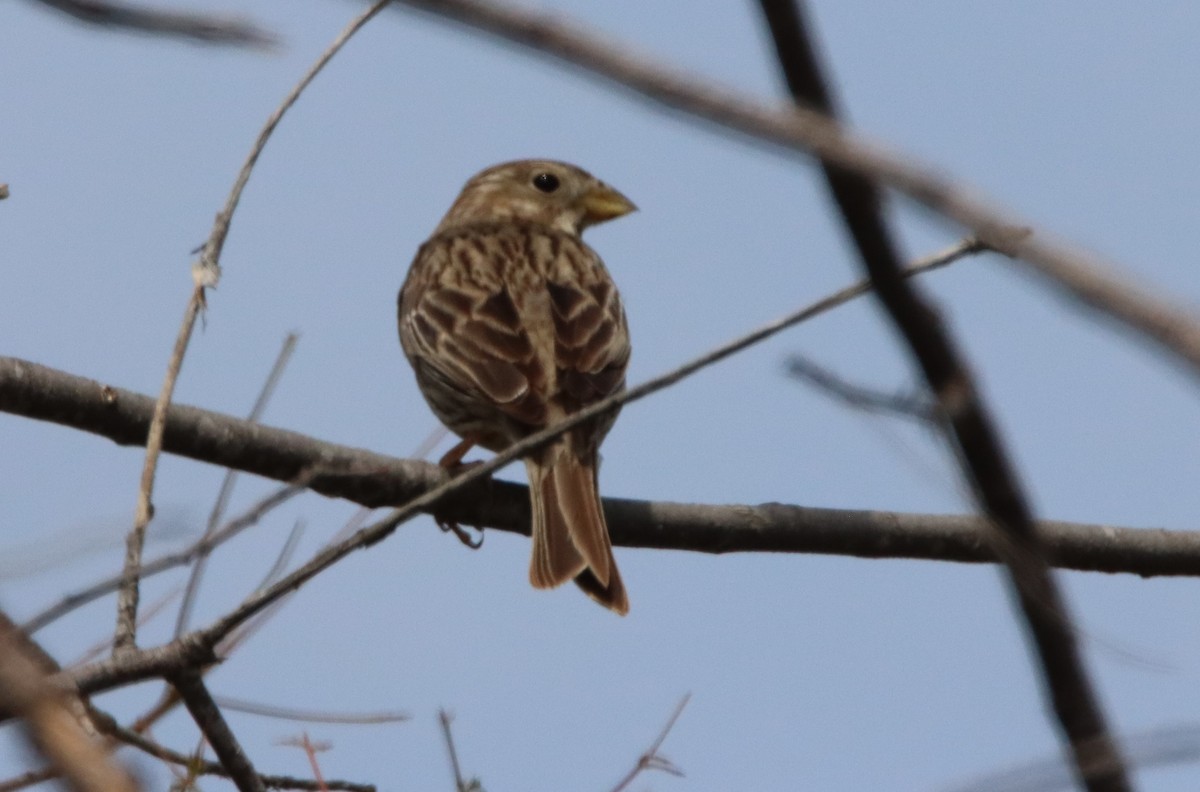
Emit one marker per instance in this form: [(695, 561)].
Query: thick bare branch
[(374, 480), (1081, 276), (982, 454)]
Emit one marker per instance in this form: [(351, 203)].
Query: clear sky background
[(807, 672)]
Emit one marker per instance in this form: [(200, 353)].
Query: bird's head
[(545, 192)]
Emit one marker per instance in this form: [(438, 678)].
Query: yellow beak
[(604, 203)]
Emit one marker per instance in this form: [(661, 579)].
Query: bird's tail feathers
[(570, 537)]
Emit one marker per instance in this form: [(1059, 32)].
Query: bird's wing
[(591, 337), (491, 312), (458, 318)]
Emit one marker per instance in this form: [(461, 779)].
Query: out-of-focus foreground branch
[(205, 28), (55, 728), (1078, 274), (982, 453)]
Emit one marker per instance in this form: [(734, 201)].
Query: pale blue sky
[(807, 672)]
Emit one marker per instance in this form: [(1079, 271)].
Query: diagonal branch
[(54, 721), (1092, 284), (857, 397), (208, 717), (205, 28), (983, 457), (226, 490)]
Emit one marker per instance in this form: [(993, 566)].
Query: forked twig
[(231, 529), (650, 758)]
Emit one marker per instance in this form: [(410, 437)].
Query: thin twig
[(445, 718), (145, 616), (205, 28), (310, 751), (204, 767), (226, 490), (983, 457), (125, 637), (859, 397), (650, 758), (231, 529), (1092, 284), (210, 258), (312, 716), (206, 273), (1162, 747)]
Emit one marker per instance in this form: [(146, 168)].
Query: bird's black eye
[(546, 182)]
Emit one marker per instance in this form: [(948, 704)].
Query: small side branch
[(858, 397), (208, 717), (651, 759)]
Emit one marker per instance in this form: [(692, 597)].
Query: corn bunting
[(512, 323)]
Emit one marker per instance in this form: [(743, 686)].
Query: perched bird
[(512, 323)]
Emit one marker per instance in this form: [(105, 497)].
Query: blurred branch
[(312, 716), (226, 490), (1079, 275), (206, 28), (858, 397), (55, 730), (1172, 745), (982, 454), (205, 545), (374, 480), (28, 779)]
